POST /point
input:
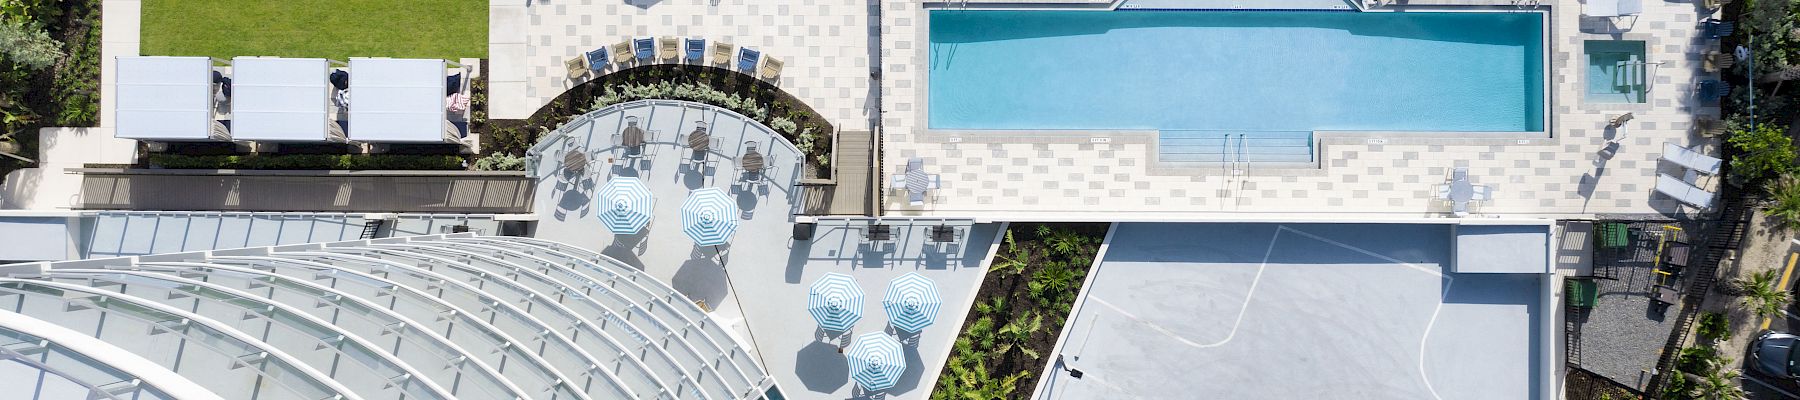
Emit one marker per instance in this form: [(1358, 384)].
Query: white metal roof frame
[(166, 99), (282, 99), (397, 100)]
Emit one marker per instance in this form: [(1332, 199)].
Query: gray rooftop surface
[(1343, 311)]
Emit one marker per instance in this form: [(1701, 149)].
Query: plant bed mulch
[(1019, 311), (65, 94), (762, 101), (1583, 385)]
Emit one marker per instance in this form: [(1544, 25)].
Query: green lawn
[(336, 29)]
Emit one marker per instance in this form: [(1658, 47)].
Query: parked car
[(1773, 354)]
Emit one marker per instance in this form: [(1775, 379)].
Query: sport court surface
[(1334, 311)]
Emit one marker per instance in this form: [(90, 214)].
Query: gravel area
[(1622, 336)]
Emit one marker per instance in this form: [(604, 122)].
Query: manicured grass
[(337, 29)]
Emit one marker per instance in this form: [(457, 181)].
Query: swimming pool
[(1236, 70)]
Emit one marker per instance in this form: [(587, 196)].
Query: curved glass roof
[(429, 317)]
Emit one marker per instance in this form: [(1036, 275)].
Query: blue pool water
[(1232, 70)]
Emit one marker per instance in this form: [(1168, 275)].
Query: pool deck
[(1071, 176), (1298, 311)]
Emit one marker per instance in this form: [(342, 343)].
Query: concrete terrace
[(758, 282), (1064, 175), (1300, 311), (826, 45)]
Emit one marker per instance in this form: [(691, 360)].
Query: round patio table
[(752, 162)]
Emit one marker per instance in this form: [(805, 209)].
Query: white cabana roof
[(397, 100), (281, 99), (165, 98)]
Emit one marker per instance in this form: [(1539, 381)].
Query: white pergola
[(282, 100), (397, 100), (167, 99)]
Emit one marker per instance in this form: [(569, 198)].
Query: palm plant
[(1052, 285), (1784, 200), (1015, 260), (1760, 295), (1062, 242), (1720, 385), (1016, 333)]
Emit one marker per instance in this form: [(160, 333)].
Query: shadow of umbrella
[(909, 379), (625, 248), (821, 367), (701, 279)]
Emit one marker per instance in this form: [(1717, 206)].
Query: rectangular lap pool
[(1237, 70)]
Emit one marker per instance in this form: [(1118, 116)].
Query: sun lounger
[(597, 59), (1718, 29), (1684, 192), (646, 48), (696, 50), (771, 68), (668, 48), (1712, 90), (1601, 8), (1690, 159), (1630, 7), (721, 53), (747, 59), (621, 52)]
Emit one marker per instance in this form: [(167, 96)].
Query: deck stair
[(1234, 148)]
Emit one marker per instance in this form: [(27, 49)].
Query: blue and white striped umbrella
[(835, 301), (912, 302), (625, 205), (709, 216), (876, 361)]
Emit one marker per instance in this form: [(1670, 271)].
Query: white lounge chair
[(1684, 192), (1692, 160)]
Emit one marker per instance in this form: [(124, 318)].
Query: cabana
[(170, 99), (284, 100), (397, 100)]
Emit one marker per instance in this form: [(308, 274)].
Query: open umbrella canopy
[(625, 205), (912, 302), (835, 301), (876, 361), (709, 216)]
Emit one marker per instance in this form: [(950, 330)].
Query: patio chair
[(898, 182), (1709, 126), (577, 66), (1717, 60), (1711, 90), (721, 53), (668, 48), (747, 59), (621, 52), (597, 60), (1618, 120), (1717, 29), (696, 50), (771, 68), (646, 48)]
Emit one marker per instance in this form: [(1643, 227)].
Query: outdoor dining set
[(635, 145), (1460, 192)]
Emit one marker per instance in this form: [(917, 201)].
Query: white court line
[(1242, 310), (1423, 338)]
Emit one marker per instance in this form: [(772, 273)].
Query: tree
[(28, 45), (1760, 294), (1766, 151)]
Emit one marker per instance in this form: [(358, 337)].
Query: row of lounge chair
[(647, 50)]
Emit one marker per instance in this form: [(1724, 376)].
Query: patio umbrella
[(876, 361), (709, 217), (626, 205), (912, 302), (835, 301)]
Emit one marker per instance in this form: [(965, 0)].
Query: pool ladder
[(1239, 167)]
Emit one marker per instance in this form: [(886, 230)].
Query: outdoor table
[(880, 232), (632, 137), (917, 181), (752, 162), (1678, 254), (1664, 294), (574, 160), (943, 233), (699, 140)]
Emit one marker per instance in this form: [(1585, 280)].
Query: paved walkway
[(1564, 176), (825, 44)]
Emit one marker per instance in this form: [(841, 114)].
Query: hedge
[(309, 162)]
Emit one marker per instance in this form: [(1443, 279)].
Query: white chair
[(898, 183), (1483, 193)]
